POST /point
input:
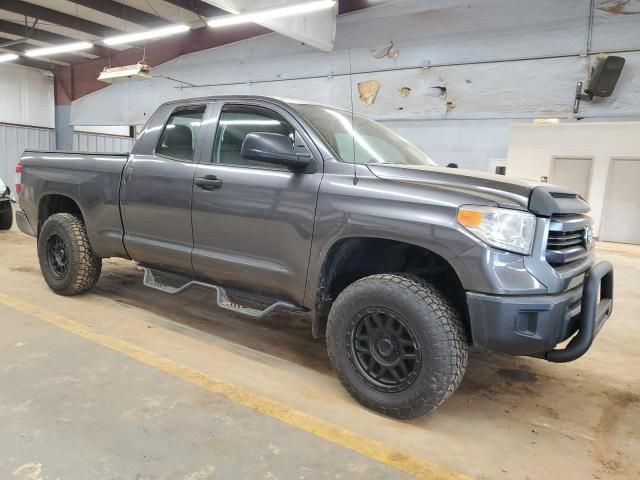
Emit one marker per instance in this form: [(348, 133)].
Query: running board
[(222, 298)]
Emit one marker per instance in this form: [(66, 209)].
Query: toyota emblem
[(588, 237)]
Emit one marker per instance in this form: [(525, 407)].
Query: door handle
[(208, 182)]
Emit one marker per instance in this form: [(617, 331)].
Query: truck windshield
[(364, 141)]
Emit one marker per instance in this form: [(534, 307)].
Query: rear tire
[(397, 344), (6, 216), (68, 263)]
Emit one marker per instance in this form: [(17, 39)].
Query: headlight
[(502, 228)]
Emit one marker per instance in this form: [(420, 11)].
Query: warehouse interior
[(196, 378)]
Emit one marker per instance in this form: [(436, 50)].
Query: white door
[(573, 173), (621, 217)]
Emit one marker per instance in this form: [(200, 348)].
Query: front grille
[(568, 239)]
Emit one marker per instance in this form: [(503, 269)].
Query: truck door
[(157, 187), (253, 221)]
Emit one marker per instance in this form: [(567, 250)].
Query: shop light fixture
[(271, 13), (139, 71), (128, 38), (67, 47), (7, 57)]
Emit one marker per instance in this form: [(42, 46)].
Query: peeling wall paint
[(367, 91), (480, 64), (620, 7)]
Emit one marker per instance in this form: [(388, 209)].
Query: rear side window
[(178, 139), (235, 123)]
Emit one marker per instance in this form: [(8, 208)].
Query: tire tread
[(446, 324), (89, 265)]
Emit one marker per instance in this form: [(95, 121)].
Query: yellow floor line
[(333, 433)]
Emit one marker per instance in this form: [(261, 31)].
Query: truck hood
[(509, 192)]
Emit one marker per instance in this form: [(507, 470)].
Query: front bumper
[(535, 324)]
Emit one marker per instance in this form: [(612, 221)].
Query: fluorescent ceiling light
[(139, 71), (68, 47), (155, 33), (8, 57), (271, 13)]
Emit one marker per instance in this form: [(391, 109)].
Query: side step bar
[(222, 298)]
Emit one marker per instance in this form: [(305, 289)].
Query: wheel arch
[(52, 203), (352, 258)]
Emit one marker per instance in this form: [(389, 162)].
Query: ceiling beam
[(59, 18), (15, 43), (347, 6), (31, 62), (23, 46), (124, 12), (22, 30), (46, 37), (203, 9)]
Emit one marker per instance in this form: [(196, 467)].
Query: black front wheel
[(68, 263), (397, 344)]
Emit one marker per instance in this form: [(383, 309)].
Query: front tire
[(68, 263), (397, 344)]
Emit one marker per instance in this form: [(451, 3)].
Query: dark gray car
[(402, 264)]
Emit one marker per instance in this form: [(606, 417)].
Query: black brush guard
[(595, 310)]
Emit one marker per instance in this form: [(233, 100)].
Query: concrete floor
[(71, 408)]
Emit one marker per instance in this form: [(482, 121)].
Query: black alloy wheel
[(57, 256), (68, 263), (384, 350)]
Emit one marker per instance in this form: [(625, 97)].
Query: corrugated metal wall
[(94, 142), (14, 139)]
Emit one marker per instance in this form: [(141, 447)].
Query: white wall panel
[(26, 96), (616, 25), (122, 130), (501, 61), (532, 148)]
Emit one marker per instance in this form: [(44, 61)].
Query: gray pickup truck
[(291, 206)]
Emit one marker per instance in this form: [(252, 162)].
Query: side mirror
[(274, 148)]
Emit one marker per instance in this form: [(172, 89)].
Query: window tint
[(237, 122), (178, 140)]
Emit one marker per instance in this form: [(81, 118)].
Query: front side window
[(178, 139), (235, 123)]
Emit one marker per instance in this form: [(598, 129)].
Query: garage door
[(621, 222), (573, 173)]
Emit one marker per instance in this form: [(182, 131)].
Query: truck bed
[(90, 180)]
